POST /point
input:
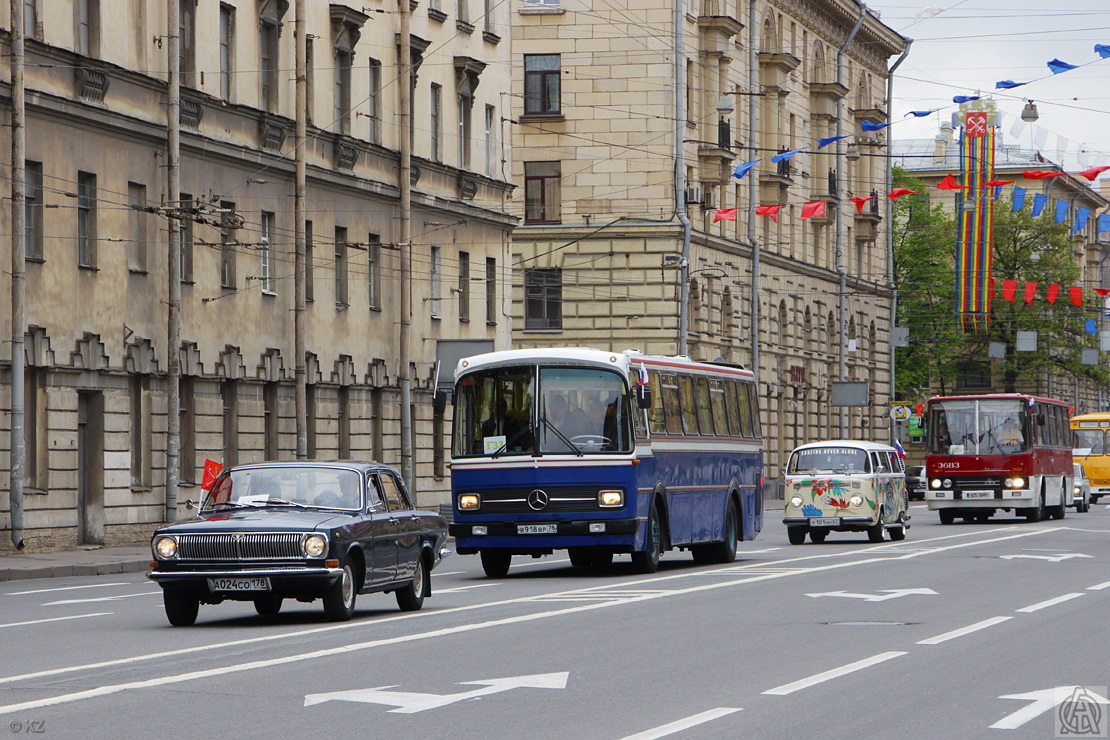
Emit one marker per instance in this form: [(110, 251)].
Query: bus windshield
[(979, 427), (1088, 442), (501, 411)]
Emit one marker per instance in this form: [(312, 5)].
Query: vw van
[(845, 486)]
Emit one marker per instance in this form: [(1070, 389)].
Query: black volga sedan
[(299, 530)]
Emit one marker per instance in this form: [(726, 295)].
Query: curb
[(64, 571)]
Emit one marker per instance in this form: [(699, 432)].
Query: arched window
[(770, 40), (817, 68)]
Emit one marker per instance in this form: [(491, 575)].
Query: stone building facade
[(601, 244), (96, 241)]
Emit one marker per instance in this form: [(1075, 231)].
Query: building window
[(30, 18), (268, 65), (463, 11), (342, 114), (32, 226), (140, 433), (542, 83), (437, 115), (86, 219), (973, 375), (308, 251), (187, 43), (340, 267), (265, 252), (374, 269), (87, 19), (227, 244), (464, 286), (271, 420), (542, 193), (230, 394), (227, 50), (343, 397), (436, 269), (466, 105), (543, 298), (373, 102), (185, 258), (491, 140), (138, 224), (491, 291), (34, 418), (309, 77), (310, 418), (187, 462)]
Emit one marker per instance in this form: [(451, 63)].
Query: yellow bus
[(1090, 442)]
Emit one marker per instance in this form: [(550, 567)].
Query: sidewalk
[(81, 562)]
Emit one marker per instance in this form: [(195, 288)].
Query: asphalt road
[(959, 631)]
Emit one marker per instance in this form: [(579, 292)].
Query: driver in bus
[(1011, 436)]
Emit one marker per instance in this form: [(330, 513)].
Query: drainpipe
[(753, 62), (842, 292), (680, 175), (890, 229), (19, 319), (173, 267)]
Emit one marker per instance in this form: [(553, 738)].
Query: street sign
[(883, 595), (900, 413), (410, 702)]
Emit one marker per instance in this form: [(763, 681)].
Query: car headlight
[(796, 501), (855, 501), (934, 483), (610, 499), (166, 548), (315, 545), (1075, 490), (469, 501)]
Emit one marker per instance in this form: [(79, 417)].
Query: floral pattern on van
[(830, 492)]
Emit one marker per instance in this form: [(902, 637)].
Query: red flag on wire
[(949, 183), (859, 202), (899, 192), (771, 211), (1093, 172), (1009, 288), (724, 214), (816, 209), (998, 183), (1102, 291), (1040, 174), (1053, 291), (1076, 294), (211, 471), (1030, 293)]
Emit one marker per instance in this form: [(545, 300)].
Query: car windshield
[(915, 470), (296, 486), (1078, 471), (828, 460)]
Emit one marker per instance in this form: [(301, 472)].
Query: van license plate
[(238, 584), (824, 521), (537, 528), (968, 495)]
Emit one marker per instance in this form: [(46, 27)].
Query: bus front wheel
[(647, 560), (946, 516), (495, 563)]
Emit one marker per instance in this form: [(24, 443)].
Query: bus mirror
[(643, 396), (439, 402), (1040, 419)]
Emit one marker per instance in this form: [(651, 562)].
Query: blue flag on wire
[(1091, 327), (964, 98), (1019, 199), (782, 156), (1081, 215), (1103, 50), (822, 143), (919, 113), (1039, 201), (1057, 66), (1061, 211), (742, 169), (868, 126), (1008, 84), (1104, 223), (998, 191)]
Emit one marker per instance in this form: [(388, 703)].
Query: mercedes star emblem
[(537, 500)]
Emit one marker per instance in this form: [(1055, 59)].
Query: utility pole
[(19, 319), (680, 176), (173, 224), (895, 430), (752, 194), (403, 380), (300, 269)]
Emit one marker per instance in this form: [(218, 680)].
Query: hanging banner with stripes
[(975, 216)]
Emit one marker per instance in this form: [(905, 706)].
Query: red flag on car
[(211, 472)]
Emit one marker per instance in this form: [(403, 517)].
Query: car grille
[(240, 546), (560, 500)]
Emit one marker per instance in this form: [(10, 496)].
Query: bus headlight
[(166, 548), (469, 502), (1016, 482), (934, 483), (855, 501), (796, 502), (947, 483), (610, 499)]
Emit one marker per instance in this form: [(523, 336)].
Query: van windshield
[(828, 460)]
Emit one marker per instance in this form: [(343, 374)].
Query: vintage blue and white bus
[(603, 453)]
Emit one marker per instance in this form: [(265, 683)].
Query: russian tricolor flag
[(898, 446)]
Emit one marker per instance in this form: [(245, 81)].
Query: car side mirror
[(439, 402), (189, 504)]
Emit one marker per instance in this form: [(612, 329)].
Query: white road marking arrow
[(1049, 558), (886, 594), (1046, 699), (407, 702)]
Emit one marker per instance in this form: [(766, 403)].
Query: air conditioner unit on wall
[(693, 196)]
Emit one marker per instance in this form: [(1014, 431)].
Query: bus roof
[(586, 355), (1093, 416), (998, 396)]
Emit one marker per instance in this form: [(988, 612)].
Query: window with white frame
[(374, 269), (373, 102), (138, 223), (436, 269), (491, 140), (227, 50), (436, 122), (265, 252)]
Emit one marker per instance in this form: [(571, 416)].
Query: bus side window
[(753, 396), (741, 391), (718, 406), (689, 405), (732, 409), (705, 415), (672, 408), (656, 419)]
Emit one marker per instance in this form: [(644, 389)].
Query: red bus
[(997, 452)]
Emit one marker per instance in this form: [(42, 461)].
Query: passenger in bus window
[(1011, 436)]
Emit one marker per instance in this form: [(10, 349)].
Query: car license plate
[(238, 584), (824, 521), (537, 528), (968, 495)]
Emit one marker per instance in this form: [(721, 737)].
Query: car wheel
[(897, 534), (817, 536), (181, 608), (495, 563), (339, 599), (946, 516), (647, 560), (725, 552), (796, 535), (267, 605), (411, 597), (1094, 499), (876, 531)]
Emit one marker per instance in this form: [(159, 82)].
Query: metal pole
[(680, 176), (889, 164), (173, 285), (842, 292), (752, 193), (300, 268), (19, 319), (403, 379)]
